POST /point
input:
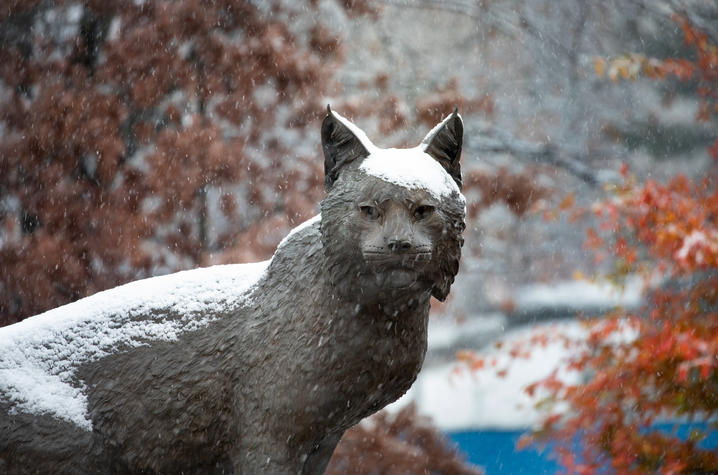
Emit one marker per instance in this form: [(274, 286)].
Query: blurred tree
[(660, 363), (139, 138), (398, 443)]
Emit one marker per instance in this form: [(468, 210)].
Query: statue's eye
[(370, 212), (423, 211)]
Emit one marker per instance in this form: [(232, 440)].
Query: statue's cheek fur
[(448, 254)]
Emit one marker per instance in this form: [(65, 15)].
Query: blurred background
[(140, 137)]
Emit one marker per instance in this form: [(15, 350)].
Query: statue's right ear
[(443, 143), (342, 143)]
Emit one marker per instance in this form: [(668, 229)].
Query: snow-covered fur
[(255, 368)]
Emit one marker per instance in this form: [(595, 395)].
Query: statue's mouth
[(396, 271), (396, 278), (381, 261)]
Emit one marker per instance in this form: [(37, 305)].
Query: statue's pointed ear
[(444, 144), (342, 142)]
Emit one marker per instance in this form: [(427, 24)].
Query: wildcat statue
[(248, 368)]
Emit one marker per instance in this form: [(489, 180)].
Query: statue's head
[(393, 218)]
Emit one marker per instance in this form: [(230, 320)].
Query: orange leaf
[(567, 202), (599, 65)]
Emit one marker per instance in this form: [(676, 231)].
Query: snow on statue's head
[(392, 218)]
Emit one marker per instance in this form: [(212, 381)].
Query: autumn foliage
[(702, 70), (659, 363), (399, 443), (140, 138), (652, 365)]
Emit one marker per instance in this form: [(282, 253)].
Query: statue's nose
[(398, 245)]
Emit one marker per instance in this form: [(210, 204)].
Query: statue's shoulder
[(301, 244), (305, 233)]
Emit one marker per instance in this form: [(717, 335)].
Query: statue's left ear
[(342, 143), (444, 144)]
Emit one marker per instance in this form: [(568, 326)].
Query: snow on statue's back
[(39, 356), (253, 368)]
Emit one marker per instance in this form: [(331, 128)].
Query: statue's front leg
[(318, 459)]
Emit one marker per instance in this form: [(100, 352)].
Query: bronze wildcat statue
[(248, 368)]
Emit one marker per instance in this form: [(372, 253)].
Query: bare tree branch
[(492, 140), (709, 26), (463, 7)]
